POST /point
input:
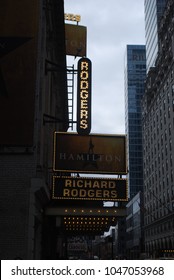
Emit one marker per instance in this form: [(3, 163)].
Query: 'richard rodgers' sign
[(111, 189), (84, 96)]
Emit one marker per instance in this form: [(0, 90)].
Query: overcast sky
[(111, 25)]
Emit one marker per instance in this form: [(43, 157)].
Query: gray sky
[(111, 25)]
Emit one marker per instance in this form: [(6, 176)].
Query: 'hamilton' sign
[(94, 153), (84, 96), (111, 189)]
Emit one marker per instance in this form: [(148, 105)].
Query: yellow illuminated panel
[(72, 17)]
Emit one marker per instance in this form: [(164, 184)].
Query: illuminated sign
[(72, 17), (111, 189), (94, 153), (84, 96), (75, 40)]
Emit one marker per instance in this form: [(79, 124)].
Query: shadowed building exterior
[(33, 104), (158, 148)]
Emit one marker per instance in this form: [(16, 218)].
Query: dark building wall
[(19, 27), (26, 158), (16, 173)]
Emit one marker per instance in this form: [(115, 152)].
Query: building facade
[(134, 227), (33, 104), (135, 73), (158, 147), (153, 10)]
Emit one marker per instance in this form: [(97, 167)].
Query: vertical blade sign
[(84, 96)]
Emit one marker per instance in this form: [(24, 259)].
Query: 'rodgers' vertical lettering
[(84, 96)]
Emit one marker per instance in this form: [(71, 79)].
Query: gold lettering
[(84, 104), (89, 189), (98, 193), (103, 184), (84, 65), (83, 85), (106, 193), (84, 94), (111, 185), (66, 192), (83, 124), (114, 194), (84, 75), (96, 184), (82, 193), (80, 183), (91, 193), (74, 193), (88, 184), (68, 183), (83, 114)]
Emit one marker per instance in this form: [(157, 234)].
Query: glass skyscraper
[(135, 73), (153, 11)]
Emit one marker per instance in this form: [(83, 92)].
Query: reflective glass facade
[(135, 73), (153, 12)]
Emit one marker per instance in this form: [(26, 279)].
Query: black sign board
[(87, 188), (94, 153)]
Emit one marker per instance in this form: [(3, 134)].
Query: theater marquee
[(94, 153), (108, 189)]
